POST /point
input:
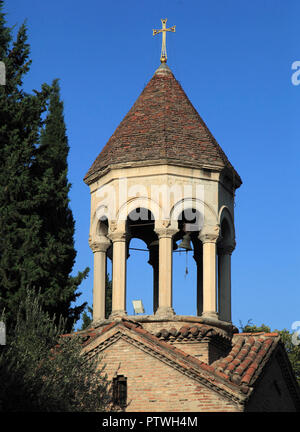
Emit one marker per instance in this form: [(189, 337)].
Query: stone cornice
[(173, 162)]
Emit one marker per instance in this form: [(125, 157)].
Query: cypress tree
[(36, 223), (57, 230), (20, 122)]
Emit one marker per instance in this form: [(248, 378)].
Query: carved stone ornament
[(113, 226), (98, 246), (117, 236), (166, 223), (209, 234), (165, 232)]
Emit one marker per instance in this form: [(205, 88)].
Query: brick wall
[(271, 392), (155, 386), (206, 350)]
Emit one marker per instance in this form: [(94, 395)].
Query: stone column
[(154, 262), (224, 279), (99, 249), (209, 236), (118, 239), (165, 236), (199, 263)]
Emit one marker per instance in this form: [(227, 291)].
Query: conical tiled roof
[(162, 127)]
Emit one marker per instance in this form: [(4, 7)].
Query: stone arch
[(99, 216), (226, 224), (203, 209), (138, 202), (102, 227)]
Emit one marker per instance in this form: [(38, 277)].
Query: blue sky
[(233, 59)]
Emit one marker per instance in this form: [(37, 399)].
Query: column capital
[(166, 232), (209, 233), (117, 236), (99, 245)]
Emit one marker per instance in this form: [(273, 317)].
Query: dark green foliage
[(57, 229), (36, 374), (251, 328), (36, 223), (20, 120), (292, 348), (87, 317)]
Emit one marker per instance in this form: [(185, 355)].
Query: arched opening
[(187, 264), (226, 235), (142, 261), (102, 227)]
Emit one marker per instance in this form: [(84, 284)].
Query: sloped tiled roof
[(237, 371), (249, 353), (161, 127)]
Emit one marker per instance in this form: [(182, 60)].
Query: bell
[(186, 243)]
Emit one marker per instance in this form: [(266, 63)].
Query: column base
[(210, 314), (118, 314), (164, 312), (225, 318)]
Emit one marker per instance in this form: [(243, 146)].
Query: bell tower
[(163, 178)]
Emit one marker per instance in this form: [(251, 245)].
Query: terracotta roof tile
[(162, 125), (191, 332), (239, 368), (247, 357)]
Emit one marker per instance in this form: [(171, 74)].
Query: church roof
[(162, 127), (234, 375)]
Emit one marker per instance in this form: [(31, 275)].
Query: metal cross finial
[(163, 56)]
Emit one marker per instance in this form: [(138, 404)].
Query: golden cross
[(163, 56)]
